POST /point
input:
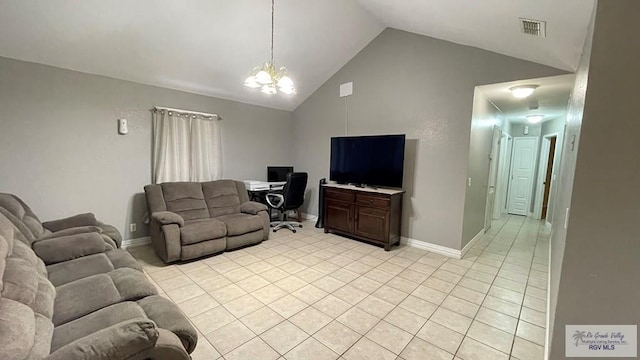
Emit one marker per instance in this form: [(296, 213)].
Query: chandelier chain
[(272, 10)]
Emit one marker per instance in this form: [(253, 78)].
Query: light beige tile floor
[(312, 295)]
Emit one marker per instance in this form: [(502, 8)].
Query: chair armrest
[(120, 341), (65, 248), (71, 231), (167, 217), (274, 200), (86, 219), (252, 207)]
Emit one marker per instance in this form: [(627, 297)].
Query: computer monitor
[(278, 173)]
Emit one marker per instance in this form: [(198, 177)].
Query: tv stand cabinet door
[(338, 216), (372, 223)]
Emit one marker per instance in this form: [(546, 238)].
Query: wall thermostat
[(123, 129)]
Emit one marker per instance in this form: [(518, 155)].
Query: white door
[(522, 167), (493, 175)]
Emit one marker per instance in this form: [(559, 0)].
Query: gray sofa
[(92, 304), (193, 219)]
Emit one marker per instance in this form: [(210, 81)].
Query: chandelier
[(267, 78)]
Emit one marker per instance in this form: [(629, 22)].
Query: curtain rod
[(155, 108)]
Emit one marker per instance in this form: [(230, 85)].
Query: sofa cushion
[(221, 197), (102, 263), (123, 340), (88, 324), (195, 231), (81, 297), (58, 249), (185, 199), (86, 219), (238, 224)]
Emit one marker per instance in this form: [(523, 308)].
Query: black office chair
[(291, 198)]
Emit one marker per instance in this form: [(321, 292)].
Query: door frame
[(542, 173), (493, 162), (528, 213), (504, 170)]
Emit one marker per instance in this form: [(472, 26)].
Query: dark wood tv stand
[(363, 213)]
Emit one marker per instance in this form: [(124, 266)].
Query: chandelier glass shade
[(268, 78)]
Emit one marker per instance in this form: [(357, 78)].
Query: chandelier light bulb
[(285, 82), (263, 77), (251, 82)]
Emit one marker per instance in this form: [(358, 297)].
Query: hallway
[(515, 251)]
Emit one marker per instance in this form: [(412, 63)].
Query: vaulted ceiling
[(209, 46)]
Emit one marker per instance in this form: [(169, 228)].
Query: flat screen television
[(368, 160)]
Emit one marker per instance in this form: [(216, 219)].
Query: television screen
[(368, 160)]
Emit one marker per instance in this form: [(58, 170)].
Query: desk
[(258, 190)]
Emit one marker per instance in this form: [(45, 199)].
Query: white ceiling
[(551, 97), (209, 46)]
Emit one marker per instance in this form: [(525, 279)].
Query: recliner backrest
[(26, 299), (21, 216), (294, 189), (185, 199), (222, 197)]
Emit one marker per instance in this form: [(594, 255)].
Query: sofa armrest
[(167, 217), (112, 232), (71, 231), (252, 207), (86, 219), (65, 248), (168, 315), (120, 341), (168, 346)]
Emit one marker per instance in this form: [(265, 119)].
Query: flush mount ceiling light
[(534, 119), (267, 78), (522, 91)]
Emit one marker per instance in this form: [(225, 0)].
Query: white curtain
[(186, 147)]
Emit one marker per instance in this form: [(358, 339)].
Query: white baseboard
[(438, 249), (470, 244), (136, 242)]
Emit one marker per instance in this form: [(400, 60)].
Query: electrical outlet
[(469, 182), (133, 227)]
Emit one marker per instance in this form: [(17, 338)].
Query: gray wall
[(420, 86), (60, 151), (598, 283), (485, 116)]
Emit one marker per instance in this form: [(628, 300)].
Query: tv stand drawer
[(340, 195), (373, 201)]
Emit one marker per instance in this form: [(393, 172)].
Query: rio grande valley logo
[(601, 340)]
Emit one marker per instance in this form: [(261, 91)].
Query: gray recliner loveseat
[(193, 219)]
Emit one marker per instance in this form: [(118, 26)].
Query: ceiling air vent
[(533, 27)]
